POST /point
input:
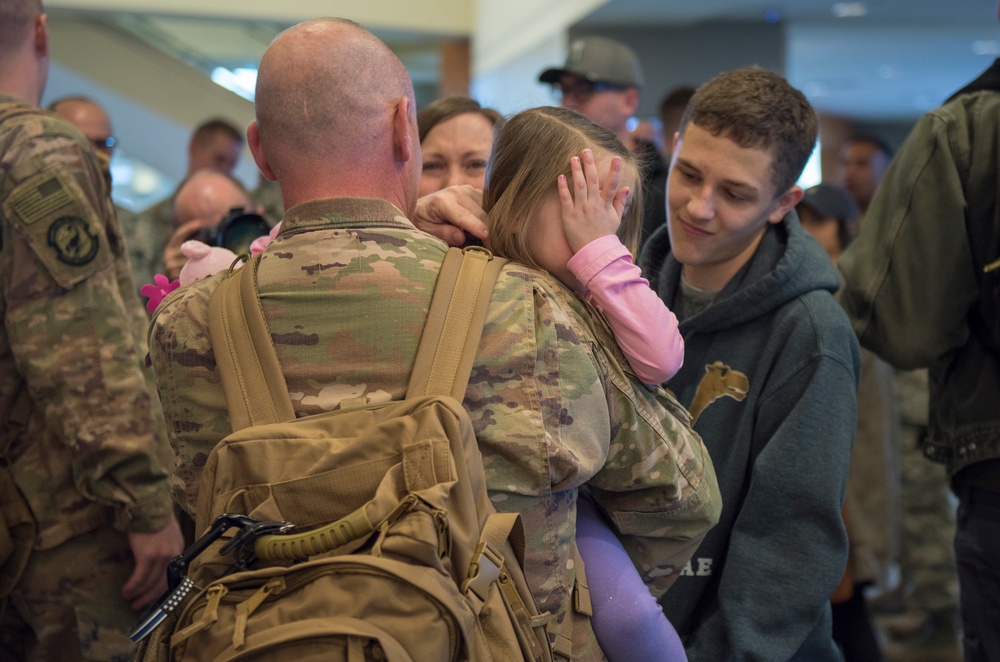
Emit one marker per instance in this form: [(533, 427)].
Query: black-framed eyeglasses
[(106, 145), (582, 89)]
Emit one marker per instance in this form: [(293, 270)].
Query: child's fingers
[(610, 189), (578, 170), (621, 200), (593, 182), (565, 199)]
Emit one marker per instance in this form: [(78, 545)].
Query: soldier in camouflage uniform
[(345, 289), (93, 122), (926, 630), (80, 449), (215, 145)]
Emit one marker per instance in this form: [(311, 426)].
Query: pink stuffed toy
[(203, 260)]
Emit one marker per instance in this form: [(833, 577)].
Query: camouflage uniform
[(345, 289), (928, 554), (90, 459), (872, 500), (146, 236), (268, 196)]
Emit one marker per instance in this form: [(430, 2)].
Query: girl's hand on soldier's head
[(593, 210)]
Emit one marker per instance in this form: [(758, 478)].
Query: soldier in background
[(201, 201), (267, 196), (93, 122), (922, 288), (91, 119), (927, 596), (216, 145), (85, 494), (926, 630)]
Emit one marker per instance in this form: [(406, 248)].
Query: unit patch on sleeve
[(73, 240), (59, 223)]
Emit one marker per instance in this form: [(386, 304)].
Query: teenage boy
[(769, 375)]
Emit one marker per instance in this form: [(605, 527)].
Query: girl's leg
[(628, 622)]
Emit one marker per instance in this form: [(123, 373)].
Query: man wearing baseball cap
[(601, 79)]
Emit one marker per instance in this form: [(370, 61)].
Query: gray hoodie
[(770, 372)]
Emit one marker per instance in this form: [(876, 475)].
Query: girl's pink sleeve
[(644, 327)]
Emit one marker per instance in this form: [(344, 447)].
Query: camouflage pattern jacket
[(92, 451), (146, 236), (345, 289)]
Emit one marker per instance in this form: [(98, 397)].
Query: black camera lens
[(238, 230)]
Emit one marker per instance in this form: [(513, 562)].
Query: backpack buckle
[(483, 571)]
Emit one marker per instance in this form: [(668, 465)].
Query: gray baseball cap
[(599, 60)]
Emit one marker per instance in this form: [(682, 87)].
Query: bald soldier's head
[(89, 117), (335, 116), (207, 196)]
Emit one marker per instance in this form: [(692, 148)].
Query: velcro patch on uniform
[(75, 243), (39, 201), (60, 225)]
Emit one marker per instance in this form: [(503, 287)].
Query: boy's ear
[(786, 202)]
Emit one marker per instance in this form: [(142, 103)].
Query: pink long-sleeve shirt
[(645, 328)]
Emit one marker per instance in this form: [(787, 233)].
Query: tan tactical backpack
[(396, 551)]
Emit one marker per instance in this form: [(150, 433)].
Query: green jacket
[(345, 289), (92, 451), (915, 282)]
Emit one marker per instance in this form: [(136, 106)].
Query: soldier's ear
[(402, 130), (253, 141), (41, 34)]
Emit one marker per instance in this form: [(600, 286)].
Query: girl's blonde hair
[(531, 150)]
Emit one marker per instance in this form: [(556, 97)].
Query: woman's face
[(455, 152)]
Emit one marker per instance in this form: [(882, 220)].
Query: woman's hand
[(452, 213)]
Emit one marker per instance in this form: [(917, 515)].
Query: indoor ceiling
[(872, 60), (881, 59)]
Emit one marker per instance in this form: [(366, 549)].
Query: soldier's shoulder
[(21, 121), (555, 306), (517, 279), (185, 310)]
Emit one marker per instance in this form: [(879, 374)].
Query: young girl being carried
[(562, 195)]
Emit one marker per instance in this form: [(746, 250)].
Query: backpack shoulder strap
[(454, 324), (254, 385), (256, 393)]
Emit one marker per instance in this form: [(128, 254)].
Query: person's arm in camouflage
[(658, 486), (194, 404), (75, 349)]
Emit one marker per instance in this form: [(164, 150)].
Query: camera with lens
[(236, 231)]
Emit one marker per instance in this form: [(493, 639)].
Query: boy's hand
[(593, 211)]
